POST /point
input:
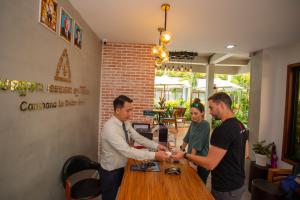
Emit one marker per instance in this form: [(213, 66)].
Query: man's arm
[(210, 162), (120, 144), (191, 163), (247, 150), (142, 140)]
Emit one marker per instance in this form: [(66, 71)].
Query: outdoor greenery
[(240, 97), (179, 74)]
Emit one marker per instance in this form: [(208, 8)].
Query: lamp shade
[(158, 62), (166, 37), (155, 50), (163, 53)]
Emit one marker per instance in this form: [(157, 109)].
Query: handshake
[(164, 154)]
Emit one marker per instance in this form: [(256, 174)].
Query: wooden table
[(159, 112), (138, 185)]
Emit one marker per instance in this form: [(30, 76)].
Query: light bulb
[(163, 53), (165, 37), (155, 50)]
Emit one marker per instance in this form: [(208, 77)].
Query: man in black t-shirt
[(227, 152)]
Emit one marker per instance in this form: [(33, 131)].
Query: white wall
[(35, 144), (273, 93)]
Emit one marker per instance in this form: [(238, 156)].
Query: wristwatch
[(185, 156), (181, 148)]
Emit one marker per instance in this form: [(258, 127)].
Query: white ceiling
[(196, 25)]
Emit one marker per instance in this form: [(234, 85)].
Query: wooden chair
[(270, 189), (178, 113), (275, 175)]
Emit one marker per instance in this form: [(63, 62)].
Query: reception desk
[(158, 185)]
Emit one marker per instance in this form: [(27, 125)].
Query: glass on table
[(172, 143), (172, 146)]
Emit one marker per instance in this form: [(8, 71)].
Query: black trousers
[(110, 182)]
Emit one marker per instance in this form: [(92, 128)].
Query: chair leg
[(176, 125), (68, 189)]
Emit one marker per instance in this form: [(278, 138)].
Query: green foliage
[(159, 73), (170, 105), (178, 74), (222, 76), (187, 113), (242, 80), (240, 98), (262, 148)]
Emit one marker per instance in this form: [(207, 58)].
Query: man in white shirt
[(116, 150)]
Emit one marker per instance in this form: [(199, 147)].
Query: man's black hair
[(120, 101), (221, 97)]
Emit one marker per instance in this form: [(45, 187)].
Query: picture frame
[(65, 25), (78, 35), (48, 14), (291, 132)]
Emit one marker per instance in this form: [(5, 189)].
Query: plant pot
[(261, 160)]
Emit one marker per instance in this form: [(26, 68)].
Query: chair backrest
[(178, 112), (296, 169), (76, 164), (275, 175)]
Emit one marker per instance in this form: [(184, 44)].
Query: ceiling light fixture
[(230, 46), (160, 51)]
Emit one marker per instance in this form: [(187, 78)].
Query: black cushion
[(262, 189), (86, 189)]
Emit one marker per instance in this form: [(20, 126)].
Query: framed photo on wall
[(48, 14), (65, 25), (78, 33)]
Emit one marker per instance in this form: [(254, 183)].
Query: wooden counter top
[(138, 185)]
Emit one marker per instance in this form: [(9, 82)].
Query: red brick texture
[(127, 69)]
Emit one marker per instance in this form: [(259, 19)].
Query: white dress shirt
[(115, 149)]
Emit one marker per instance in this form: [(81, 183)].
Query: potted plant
[(262, 152)]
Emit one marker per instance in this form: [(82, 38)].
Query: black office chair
[(86, 188)]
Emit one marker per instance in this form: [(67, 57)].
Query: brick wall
[(127, 69)]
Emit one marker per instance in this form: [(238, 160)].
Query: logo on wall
[(63, 72)]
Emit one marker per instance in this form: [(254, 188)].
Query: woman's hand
[(192, 165), (161, 148)]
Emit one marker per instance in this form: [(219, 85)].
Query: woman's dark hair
[(221, 97), (120, 101), (197, 104)]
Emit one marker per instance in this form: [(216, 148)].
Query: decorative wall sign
[(48, 14), (78, 33), (63, 72), (65, 27)]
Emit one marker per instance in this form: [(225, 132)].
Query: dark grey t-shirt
[(198, 137)]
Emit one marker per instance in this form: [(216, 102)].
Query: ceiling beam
[(198, 60), (234, 62), (218, 57)]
